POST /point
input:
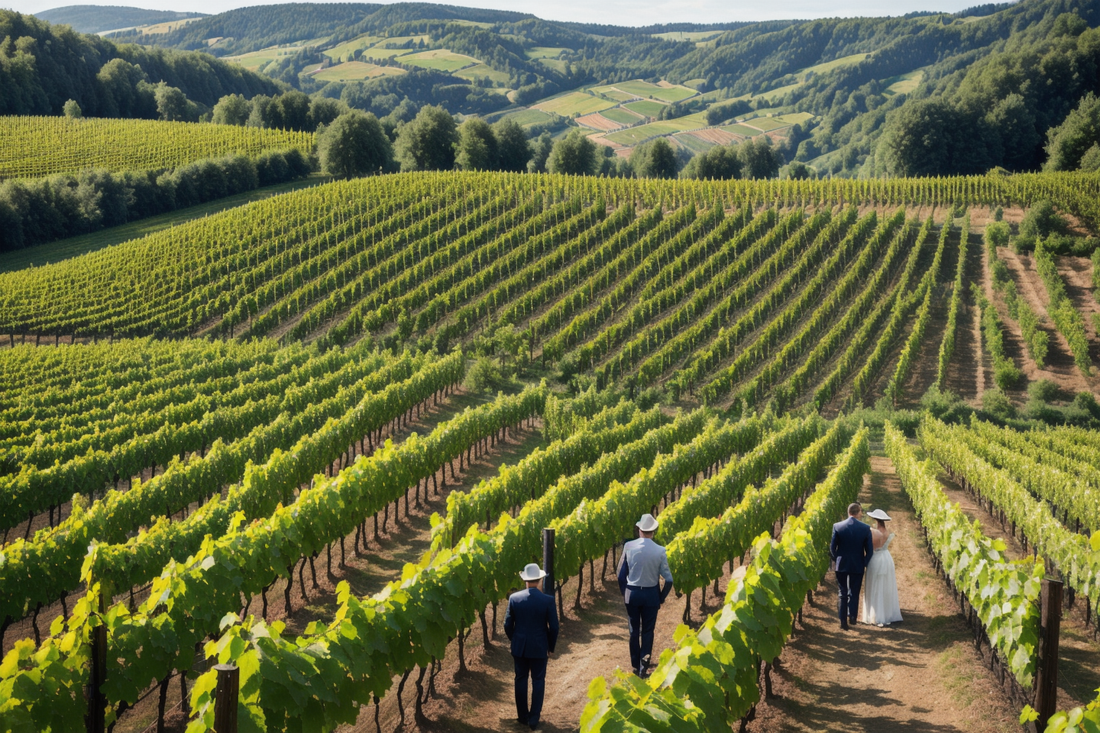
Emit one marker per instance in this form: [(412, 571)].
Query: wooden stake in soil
[(1046, 680), (225, 698)]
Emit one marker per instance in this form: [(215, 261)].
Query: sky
[(614, 12)]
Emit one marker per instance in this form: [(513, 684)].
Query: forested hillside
[(924, 94), (42, 66)]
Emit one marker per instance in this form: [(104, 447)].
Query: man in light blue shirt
[(643, 564)]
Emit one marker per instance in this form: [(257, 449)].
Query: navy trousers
[(536, 669), (641, 608), (848, 603)]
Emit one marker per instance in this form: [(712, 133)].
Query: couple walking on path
[(531, 622), (861, 556)]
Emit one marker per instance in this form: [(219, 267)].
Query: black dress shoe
[(843, 626), (852, 620), (534, 725)]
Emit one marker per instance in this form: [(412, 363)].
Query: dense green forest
[(42, 66)]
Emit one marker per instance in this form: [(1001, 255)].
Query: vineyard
[(215, 440), (44, 146)]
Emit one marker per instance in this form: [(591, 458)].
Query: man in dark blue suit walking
[(532, 625), (851, 549)]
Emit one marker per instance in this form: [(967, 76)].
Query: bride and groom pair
[(861, 556)]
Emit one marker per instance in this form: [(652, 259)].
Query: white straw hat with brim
[(532, 572), (647, 523), (879, 514)]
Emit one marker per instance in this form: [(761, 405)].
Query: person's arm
[(868, 548), (509, 622), (624, 571), (666, 573), (552, 628)]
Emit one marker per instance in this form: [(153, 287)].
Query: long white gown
[(880, 588)]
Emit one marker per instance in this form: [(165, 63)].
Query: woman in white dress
[(880, 595)]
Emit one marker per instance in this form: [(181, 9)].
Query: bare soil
[(1060, 366)]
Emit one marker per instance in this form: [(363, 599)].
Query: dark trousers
[(848, 605), (536, 669), (641, 608)]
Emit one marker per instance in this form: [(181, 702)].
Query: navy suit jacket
[(852, 546), (531, 623)]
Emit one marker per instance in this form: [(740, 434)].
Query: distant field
[(742, 130), (258, 59), (669, 93), (646, 107), (168, 27), (710, 135), (574, 103), (635, 135), (692, 36), (615, 94), (767, 124), (389, 48), (904, 84), (834, 64), (440, 59), (777, 92), (556, 64), (797, 118), (528, 117), (481, 70), (693, 143), (597, 121), (356, 70), (344, 50), (622, 115), (544, 52)]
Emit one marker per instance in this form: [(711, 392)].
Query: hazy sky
[(617, 12)]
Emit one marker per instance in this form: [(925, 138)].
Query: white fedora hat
[(532, 572), (647, 523), (879, 514)]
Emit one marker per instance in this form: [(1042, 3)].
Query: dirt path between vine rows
[(923, 675), (920, 675)]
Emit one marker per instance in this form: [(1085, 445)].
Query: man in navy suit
[(851, 549), (532, 625)]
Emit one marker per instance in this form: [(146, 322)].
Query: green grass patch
[(622, 116), (344, 51), (64, 249), (356, 70), (690, 36), (767, 124), (692, 143), (528, 117), (742, 130), (544, 52), (773, 94), (645, 107), (834, 64), (903, 84), (666, 94), (440, 59), (635, 135), (559, 65), (796, 118), (483, 71), (573, 103)]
